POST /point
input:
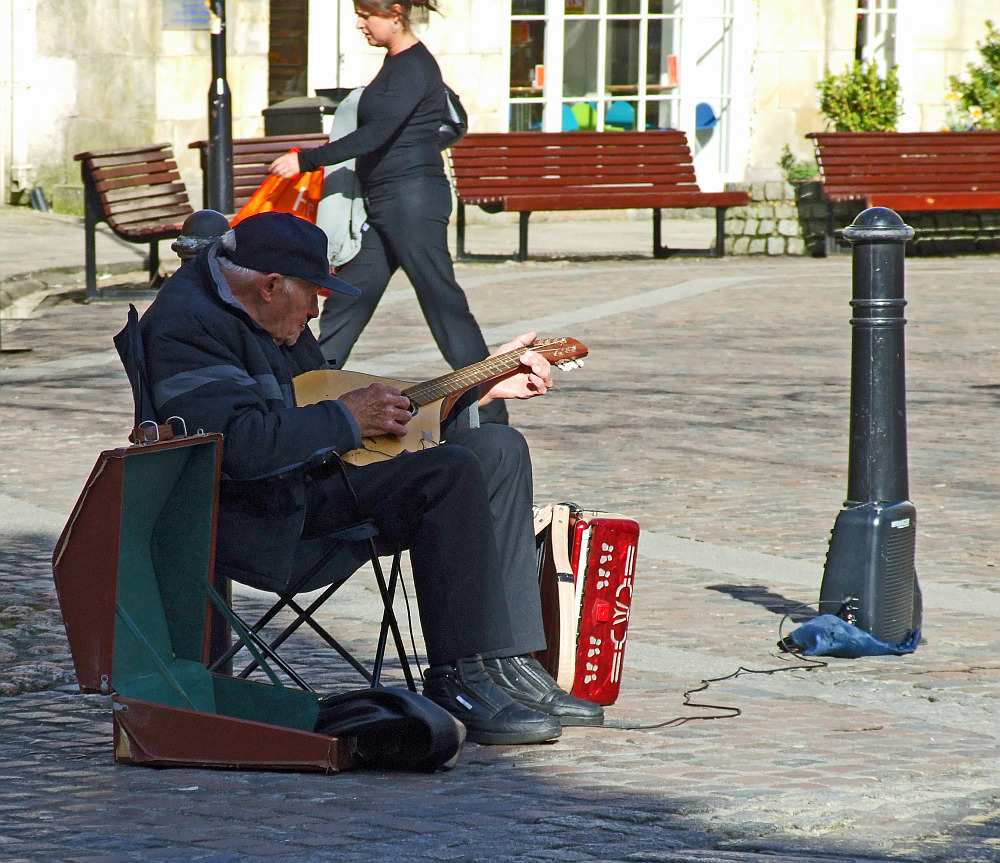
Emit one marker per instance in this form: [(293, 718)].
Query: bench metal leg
[(716, 250), (522, 237), (463, 254), (830, 240), (90, 220), (720, 232), (658, 249), (154, 264)]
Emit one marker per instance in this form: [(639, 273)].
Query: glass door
[(602, 65)]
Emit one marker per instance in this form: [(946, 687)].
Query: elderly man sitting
[(223, 340)]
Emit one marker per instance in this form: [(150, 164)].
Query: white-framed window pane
[(526, 116), (662, 55), (621, 66), (579, 53), (527, 55), (663, 114), (527, 7), (623, 7), (876, 32)]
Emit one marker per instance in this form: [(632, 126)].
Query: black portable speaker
[(870, 578)]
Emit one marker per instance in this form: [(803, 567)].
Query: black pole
[(220, 118), (870, 577), (877, 468)]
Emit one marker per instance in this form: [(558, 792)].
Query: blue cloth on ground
[(829, 635)]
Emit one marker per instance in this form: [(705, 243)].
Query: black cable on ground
[(729, 711)]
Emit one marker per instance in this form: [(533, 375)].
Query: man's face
[(292, 306)]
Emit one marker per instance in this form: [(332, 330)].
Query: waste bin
[(302, 114)]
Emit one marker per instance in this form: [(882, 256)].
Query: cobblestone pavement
[(714, 409)]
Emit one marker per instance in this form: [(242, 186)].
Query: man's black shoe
[(466, 691), (526, 681)]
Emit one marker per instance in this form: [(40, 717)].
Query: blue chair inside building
[(569, 123), (620, 117), (704, 117)]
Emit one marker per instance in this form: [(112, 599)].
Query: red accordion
[(586, 566)]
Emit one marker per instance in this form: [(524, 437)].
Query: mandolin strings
[(437, 388)]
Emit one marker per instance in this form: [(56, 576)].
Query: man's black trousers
[(463, 510)]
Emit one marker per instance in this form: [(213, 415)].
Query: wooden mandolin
[(430, 400)]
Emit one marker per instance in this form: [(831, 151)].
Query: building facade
[(738, 76)]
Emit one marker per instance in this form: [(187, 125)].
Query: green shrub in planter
[(980, 94), (796, 170), (860, 100)]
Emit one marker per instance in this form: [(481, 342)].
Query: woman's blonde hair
[(383, 8)]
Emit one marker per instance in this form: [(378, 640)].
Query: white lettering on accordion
[(604, 575), (623, 602), (619, 621), (593, 657)]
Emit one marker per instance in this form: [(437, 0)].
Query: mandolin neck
[(464, 379)]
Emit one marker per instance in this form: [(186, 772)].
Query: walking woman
[(408, 200)]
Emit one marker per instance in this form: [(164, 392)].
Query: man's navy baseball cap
[(285, 244)]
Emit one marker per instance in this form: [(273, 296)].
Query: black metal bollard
[(870, 577), (199, 229)]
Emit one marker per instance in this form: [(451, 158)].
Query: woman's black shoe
[(466, 691), (524, 679)]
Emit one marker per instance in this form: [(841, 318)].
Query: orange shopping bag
[(298, 195)]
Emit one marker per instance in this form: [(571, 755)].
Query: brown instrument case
[(133, 569)]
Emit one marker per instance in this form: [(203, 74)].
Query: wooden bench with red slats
[(528, 172), (139, 192), (251, 158), (909, 171)]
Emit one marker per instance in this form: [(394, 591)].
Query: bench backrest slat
[(99, 158), (153, 181), (150, 202), (138, 171), (151, 214)]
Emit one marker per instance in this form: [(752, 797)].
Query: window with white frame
[(599, 65), (876, 33)]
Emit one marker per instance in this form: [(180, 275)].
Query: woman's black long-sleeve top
[(399, 116)]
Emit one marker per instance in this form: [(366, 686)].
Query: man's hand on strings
[(532, 378), (379, 409)]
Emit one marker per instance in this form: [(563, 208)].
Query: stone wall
[(105, 74), (953, 232), (781, 219), (790, 219)]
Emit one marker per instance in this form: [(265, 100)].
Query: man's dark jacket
[(210, 363)]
